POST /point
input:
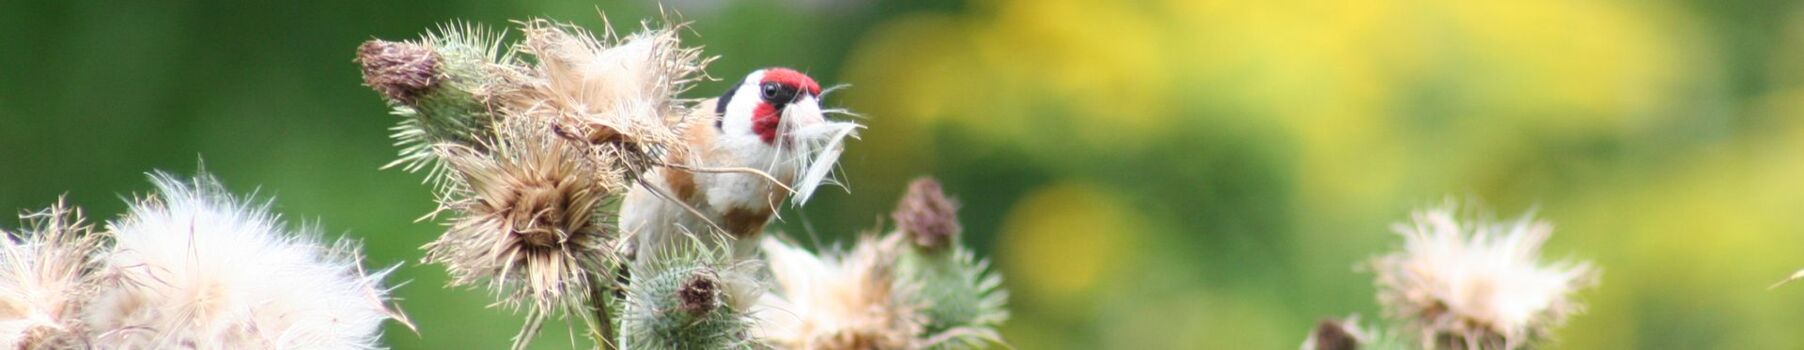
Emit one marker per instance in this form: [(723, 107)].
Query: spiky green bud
[(955, 291), (687, 297), (446, 88)]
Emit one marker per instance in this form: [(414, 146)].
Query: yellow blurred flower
[(1062, 241), (1004, 75)]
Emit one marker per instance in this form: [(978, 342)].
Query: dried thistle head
[(46, 274), (1478, 284), (837, 302), (400, 71), (925, 214), (700, 294), (196, 267), (528, 218), (616, 93)]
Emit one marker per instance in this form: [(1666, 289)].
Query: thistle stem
[(604, 327)]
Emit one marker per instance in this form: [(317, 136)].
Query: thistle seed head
[(47, 271), (194, 264), (618, 94), (1477, 284), (528, 217), (836, 302)]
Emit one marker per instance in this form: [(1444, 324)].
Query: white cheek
[(738, 121)]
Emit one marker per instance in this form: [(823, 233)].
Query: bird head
[(767, 103)]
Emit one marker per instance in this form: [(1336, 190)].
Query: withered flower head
[(400, 71), (528, 217), (616, 93), (46, 270), (927, 216), (700, 294), (843, 302), (1477, 285)]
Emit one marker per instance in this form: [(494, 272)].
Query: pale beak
[(806, 110)]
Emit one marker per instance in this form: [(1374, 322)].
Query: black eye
[(777, 93)]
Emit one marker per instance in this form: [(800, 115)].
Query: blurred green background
[(1182, 174)]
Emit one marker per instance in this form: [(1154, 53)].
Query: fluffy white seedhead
[(845, 302), (617, 93), (46, 271), (195, 267), (1477, 285)]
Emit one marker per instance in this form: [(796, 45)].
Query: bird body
[(771, 123)]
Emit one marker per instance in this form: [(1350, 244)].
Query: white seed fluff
[(45, 272), (1478, 284), (836, 302), (199, 268)]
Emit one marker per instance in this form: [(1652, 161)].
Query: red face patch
[(764, 121)]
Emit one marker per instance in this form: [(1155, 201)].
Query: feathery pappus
[(47, 272), (850, 301), (763, 141), (195, 267), (1477, 285), (615, 93)]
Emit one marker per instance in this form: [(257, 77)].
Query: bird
[(763, 141)]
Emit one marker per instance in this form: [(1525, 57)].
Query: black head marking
[(720, 106)]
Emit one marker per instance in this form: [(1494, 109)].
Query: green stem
[(603, 326)]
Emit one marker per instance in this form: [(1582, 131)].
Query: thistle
[(47, 272), (444, 86), (689, 296), (196, 267), (962, 300), (530, 159), (915, 287), (836, 302), (1477, 285), (615, 93), (928, 218), (529, 220)]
